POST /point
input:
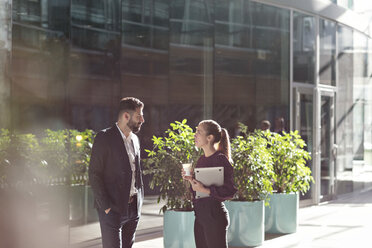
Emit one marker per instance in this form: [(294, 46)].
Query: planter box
[(179, 229), (281, 215), (81, 205), (246, 223)]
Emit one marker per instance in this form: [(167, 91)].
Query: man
[(265, 125), (116, 178), (279, 125)]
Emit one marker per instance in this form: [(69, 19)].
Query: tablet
[(208, 176)]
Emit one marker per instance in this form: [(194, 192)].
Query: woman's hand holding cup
[(187, 171)]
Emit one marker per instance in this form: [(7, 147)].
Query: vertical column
[(5, 55), (292, 118), (316, 119), (208, 78)]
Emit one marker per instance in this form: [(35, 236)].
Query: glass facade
[(353, 111), (191, 59), (251, 64), (184, 59), (360, 76), (344, 105)]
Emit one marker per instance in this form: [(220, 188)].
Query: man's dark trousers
[(113, 222)]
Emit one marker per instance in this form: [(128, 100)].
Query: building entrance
[(313, 114), (327, 146), (304, 122)]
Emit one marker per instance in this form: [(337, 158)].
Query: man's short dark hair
[(129, 104)]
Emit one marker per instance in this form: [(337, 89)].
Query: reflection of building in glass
[(304, 31), (252, 55), (233, 61)]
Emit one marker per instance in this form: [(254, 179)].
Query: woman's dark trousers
[(211, 223)]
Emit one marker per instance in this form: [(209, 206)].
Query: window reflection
[(145, 23), (28, 11), (191, 22), (233, 27), (344, 100), (191, 58), (251, 75), (94, 24), (359, 103), (306, 131), (327, 35), (144, 61), (303, 48), (39, 45)]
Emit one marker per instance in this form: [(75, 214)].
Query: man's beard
[(134, 126)]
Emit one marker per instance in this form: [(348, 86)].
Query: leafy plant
[(289, 156), (164, 162), (4, 150), (252, 165), (19, 157), (66, 153), (55, 155), (81, 144)]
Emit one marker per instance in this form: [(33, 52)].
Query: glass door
[(304, 123), (327, 146)]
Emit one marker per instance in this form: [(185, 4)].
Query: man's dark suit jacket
[(110, 173)]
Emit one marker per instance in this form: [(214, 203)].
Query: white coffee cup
[(187, 168)]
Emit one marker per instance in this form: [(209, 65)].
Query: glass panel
[(303, 48), (27, 11), (233, 27), (325, 136), (52, 14), (344, 110), (348, 4), (360, 77), (251, 65), (94, 24), (368, 110), (191, 59), (144, 61), (39, 63), (306, 131), (145, 23), (191, 22), (327, 35)]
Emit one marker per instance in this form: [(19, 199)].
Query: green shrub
[(289, 156), (164, 163), (4, 158), (61, 156), (19, 157), (252, 165)]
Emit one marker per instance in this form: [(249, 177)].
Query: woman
[(211, 216)]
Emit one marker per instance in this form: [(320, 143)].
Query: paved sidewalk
[(346, 222), (149, 227)]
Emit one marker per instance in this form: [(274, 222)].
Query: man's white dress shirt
[(131, 155)]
